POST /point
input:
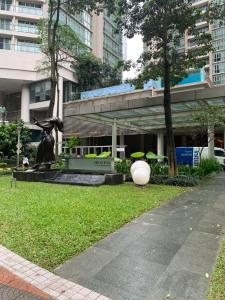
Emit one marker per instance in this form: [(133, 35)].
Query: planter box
[(93, 165)]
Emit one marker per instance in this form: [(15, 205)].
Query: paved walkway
[(168, 253)]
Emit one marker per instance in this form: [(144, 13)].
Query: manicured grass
[(217, 285), (48, 224)]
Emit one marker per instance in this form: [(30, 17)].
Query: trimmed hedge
[(175, 181)]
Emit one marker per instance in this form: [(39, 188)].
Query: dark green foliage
[(162, 24), (92, 73), (208, 166), (158, 169), (8, 138), (123, 166), (175, 181), (73, 141)]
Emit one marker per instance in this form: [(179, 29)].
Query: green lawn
[(48, 224), (217, 284)]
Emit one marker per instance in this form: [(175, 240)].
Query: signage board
[(99, 165), (188, 156)]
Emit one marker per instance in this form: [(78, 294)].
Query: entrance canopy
[(139, 111)]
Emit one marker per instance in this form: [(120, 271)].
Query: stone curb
[(51, 284)]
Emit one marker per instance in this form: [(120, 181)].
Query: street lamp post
[(18, 146)]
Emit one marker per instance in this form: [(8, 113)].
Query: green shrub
[(5, 171), (104, 154), (73, 141), (3, 165), (91, 155), (175, 181), (208, 166), (137, 155), (189, 171), (60, 164), (123, 166), (158, 169)]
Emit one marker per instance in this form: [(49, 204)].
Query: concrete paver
[(166, 253)]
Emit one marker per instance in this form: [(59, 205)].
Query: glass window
[(40, 91), (30, 8), (26, 26), (5, 24), (28, 46), (5, 43), (219, 153), (5, 4)]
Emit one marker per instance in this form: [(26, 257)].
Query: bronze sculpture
[(45, 151)]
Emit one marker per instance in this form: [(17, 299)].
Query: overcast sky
[(134, 50)]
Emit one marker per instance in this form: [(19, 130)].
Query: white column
[(160, 143), (114, 138), (211, 141), (25, 103), (122, 143)]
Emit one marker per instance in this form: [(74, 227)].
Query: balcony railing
[(29, 10), (20, 47), (26, 28), (6, 6), (19, 28), (6, 26), (28, 48), (22, 9)]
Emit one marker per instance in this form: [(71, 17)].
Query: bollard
[(13, 182)]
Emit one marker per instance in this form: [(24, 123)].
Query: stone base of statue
[(68, 177)]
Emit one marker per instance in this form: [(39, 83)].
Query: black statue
[(45, 151)]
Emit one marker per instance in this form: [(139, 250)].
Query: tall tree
[(54, 30), (9, 135), (163, 24), (93, 73)]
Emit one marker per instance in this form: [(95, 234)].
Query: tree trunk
[(171, 153), (52, 37)]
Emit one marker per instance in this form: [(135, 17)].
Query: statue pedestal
[(68, 177)]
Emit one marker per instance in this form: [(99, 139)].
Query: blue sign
[(187, 156), (184, 156)]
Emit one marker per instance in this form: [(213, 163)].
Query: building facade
[(215, 61), (24, 89)]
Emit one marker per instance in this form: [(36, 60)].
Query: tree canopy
[(8, 138), (163, 25), (93, 73)]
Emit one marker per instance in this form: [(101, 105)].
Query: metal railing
[(19, 28), (21, 9), (20, 47), (83, 150)]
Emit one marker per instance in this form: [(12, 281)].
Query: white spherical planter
[(140, 164), (140, 172)]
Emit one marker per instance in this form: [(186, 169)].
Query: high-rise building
[(24, 89), (214, 61)]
